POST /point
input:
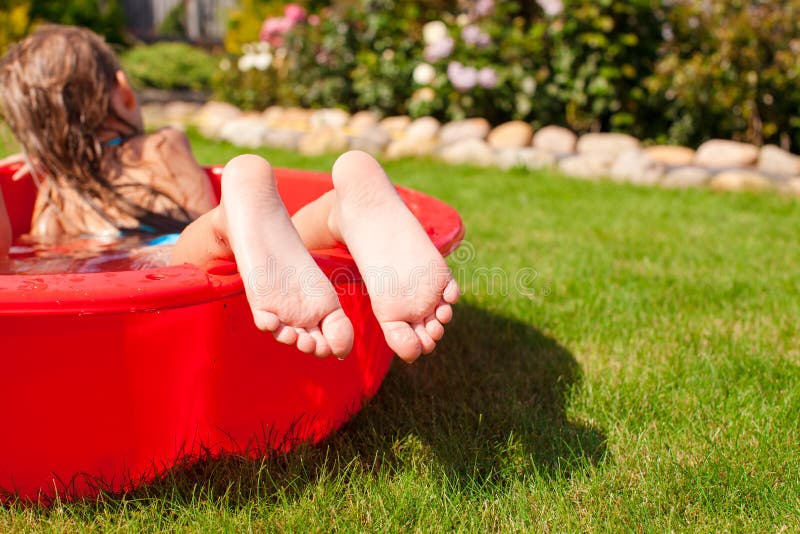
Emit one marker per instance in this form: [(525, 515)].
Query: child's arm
[(5, 229), (21, 171)]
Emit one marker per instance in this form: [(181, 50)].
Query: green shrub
[(244, 22), (489, 70), (249, 88), (680, 71), (169, 65), (580, 67), (14, 23), (600, 52), (364, 58), (320, 60), (388, 33), (730, 69), (104, 17), (19, 17)]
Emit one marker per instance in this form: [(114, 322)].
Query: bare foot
[(409, 283), (288, 293)]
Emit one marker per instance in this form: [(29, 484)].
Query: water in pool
[(88, 254)]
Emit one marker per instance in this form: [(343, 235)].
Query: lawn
[(622, 358)]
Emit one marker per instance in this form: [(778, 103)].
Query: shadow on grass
[(488, 408)]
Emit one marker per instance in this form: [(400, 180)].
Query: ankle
[(219, 225)]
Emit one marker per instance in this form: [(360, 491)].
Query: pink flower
[(483, 8), (439, 50), (463, 78), (487, 78), (274, 28), (295, 13), (470, 34), (475, 36), (551, 7)]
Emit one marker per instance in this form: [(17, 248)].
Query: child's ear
[(123, 95)]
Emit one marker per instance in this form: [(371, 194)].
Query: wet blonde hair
[(55, 95)]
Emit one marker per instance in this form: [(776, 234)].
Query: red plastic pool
[(108, 378)]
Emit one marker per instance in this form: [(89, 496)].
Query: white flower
[(434, 31), (528, 85), (262, 61), (245, 63), (424, 74), (263, 47), (463, 19), (225, 64)]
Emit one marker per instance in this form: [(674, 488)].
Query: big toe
[(338, 331), (402, 339)]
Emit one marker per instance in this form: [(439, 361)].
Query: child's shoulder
[(164, 160), (167, 139), (153, 148)]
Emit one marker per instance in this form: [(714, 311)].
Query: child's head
[(64, 96), (60, 91)]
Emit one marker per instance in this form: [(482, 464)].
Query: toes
[(444, 313), (451, 292), (434, 328), (402, 339), (266, 321), (321, 347), (335, 336), (425, 340), (305, 342), (286, 334), (338, 331)]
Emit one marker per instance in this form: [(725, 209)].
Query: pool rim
[(188, 285)]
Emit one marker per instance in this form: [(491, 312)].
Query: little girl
[(78, 123)]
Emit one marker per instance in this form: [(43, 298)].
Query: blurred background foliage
[(169, 65), (18, 17), (677, 71)]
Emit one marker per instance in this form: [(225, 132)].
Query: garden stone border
[(718, 164)]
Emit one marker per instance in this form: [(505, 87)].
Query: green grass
[(646, 378)]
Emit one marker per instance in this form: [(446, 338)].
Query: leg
[(409, 283), (287, 292), (312, 222)]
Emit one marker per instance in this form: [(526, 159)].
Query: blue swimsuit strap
[(114, 142), (118, 140), (167, 239)]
